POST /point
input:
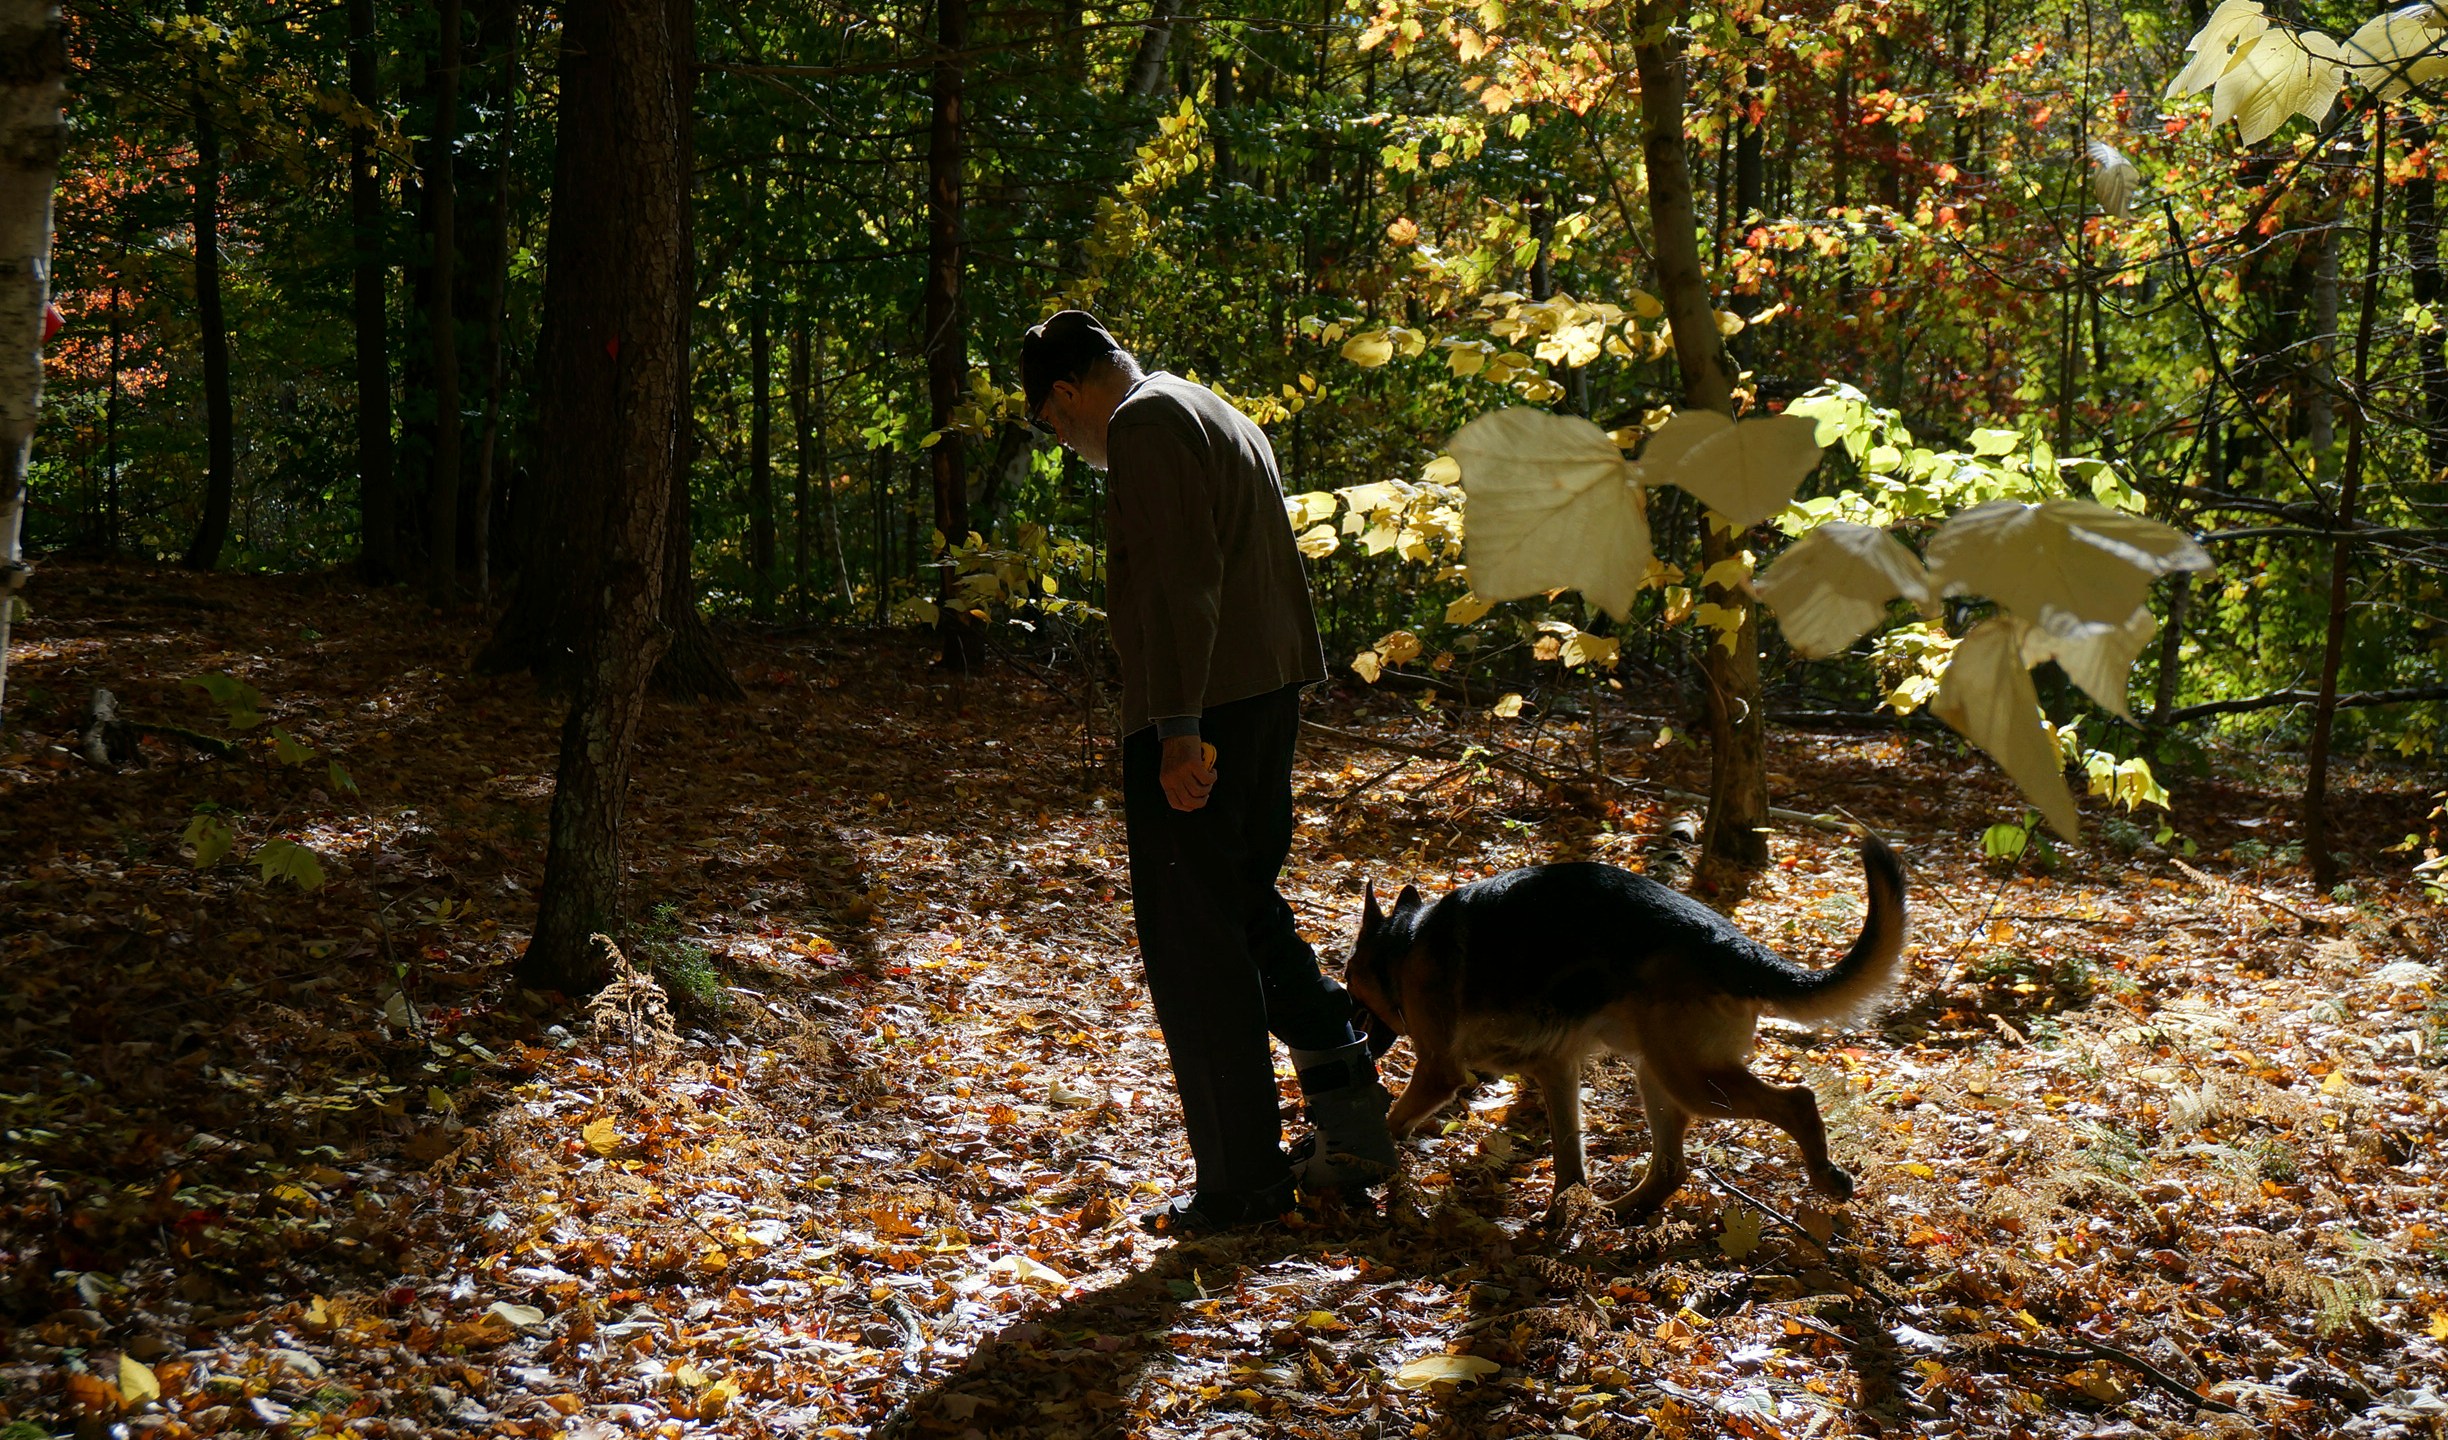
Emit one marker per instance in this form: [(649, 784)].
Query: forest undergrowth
[(2147, 1145)]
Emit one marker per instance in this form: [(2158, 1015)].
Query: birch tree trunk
[(613, 381), (1738, 764), (33, 60)]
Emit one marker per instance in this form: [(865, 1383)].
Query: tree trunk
[(803, 474), (692, 667), (2350, 482), (947, 339), (1738, 766), (220, 444), (377, 517), (33, 62), (612, 380), (2431, 343), (442, 321), (497, 292), (761, 527)]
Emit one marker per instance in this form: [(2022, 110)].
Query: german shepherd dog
[(1531, 971)]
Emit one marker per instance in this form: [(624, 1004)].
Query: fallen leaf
[(1432, 1370)]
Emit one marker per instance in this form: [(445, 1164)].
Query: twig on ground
[(2094, 1350)]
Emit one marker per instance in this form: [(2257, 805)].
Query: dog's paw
[(1835, 1182)]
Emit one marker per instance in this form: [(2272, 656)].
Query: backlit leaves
[(2260, 75), (2088, 560), (1551, 503), (1833, 586), (1987, 696)]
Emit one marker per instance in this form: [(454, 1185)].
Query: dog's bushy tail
[(1852, 985)]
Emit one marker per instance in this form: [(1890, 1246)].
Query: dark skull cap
[(1062, 348)]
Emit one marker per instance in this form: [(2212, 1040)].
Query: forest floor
[(2146, 1146)]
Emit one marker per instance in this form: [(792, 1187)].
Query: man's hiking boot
[(1205, 1213), (1349, 1148)]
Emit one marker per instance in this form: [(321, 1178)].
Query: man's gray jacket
[(1206, 591)]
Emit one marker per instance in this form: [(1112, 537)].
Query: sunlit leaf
[(2235, 23), (517, 1317), (601, 1136), (2280, 74), (1551, 504), (2113, 178), (1833, 585), (137, 1383), (1988, 697), (1466, 610), (1742, 1232), (2399, 50), (1745, 471), (1432, 1370), (1369, 348), (1315, 507), (2094, 563), (1507, 708), (1318, 541), (2096, 656)]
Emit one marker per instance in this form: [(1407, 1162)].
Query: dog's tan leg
[(1435, 1081), (1667, 1122), (1559, 1083), (1734, 1092)]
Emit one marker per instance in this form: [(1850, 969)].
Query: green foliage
[(290, 861), (211, 838), (241, 704)]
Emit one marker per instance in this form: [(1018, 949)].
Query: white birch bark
[(32, 62)]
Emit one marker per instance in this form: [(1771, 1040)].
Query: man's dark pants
[(1225, 963)]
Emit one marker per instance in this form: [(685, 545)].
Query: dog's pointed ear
[(1409, 899), (1370, 915)]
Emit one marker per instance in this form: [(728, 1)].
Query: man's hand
[(1188, 773)]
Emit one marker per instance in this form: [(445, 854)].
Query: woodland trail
[(307, 1163)]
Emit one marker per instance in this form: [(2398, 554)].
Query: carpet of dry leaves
[(2147, 1146)]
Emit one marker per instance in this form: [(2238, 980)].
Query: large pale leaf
[(2394, 52), (1549, 503), (2096, 656), (2095, 563), (1745, 471), (1988, 697), (1433, 1370), (2114, 178), (2234, 24), (2279, 75), (1832, 586)]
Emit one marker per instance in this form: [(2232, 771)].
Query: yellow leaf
[(1924, 1172), (1399, 648), (1646, 305), (1324, 1320), (1021, 1267), (1432, 1370), (2439, 1326), (1318, 541), (137, 1383), (1833, 585), (1443, 470), (1369, 349), (1466, 610), (1507, 708), (1742, 1233), (1366, 666), (1311, 508), (1745, 471), (602, 1136)]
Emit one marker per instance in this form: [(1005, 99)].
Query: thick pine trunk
[(377, 519), (947, 339), (538, 630), (33, 60), (613, 380), (442, 321), (220, 442), (1738, 765)]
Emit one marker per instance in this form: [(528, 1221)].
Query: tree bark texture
[(2423, 253), (612, 379), (33, 62), (761, 529), (539, 630), (497, 290), (692, 667), (803, 475), (377, 518), (2317, 853), (442, 328), (947, 338), (220, 442), (1738, 762)]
